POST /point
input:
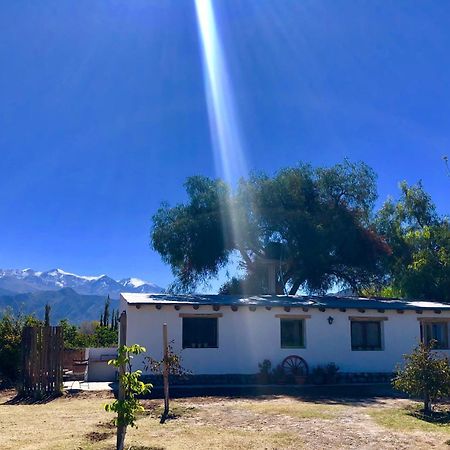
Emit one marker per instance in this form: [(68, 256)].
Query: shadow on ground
[(21, 399), (363, 394), (440, 417)]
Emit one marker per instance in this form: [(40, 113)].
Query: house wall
[(247, 337)]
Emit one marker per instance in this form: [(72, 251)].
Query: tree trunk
[(165, 373), (121, 429), (426, 403)]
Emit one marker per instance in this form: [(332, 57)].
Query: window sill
[(199, 348), (367, 349)]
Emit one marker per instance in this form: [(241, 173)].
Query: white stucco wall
[(246, 338)]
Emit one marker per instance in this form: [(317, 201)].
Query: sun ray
[(224, 127)]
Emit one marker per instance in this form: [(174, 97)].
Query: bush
[(424, 375), (11, 328), (88, 334)]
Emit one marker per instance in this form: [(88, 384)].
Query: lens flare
[(224, 129), (223, 120), (225, 133)]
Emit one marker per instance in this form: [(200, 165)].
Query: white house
[(221, 334)]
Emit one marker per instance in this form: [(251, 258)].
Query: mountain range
[(75, 297), (29, 280), (65, 303)]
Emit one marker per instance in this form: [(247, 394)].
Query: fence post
[(121, 428), (165, 373)]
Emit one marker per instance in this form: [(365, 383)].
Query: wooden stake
[(121, 429), (165, 373)]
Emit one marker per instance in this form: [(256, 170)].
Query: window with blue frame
[(200, 332), (292, 333), (366, 335), (435, 331)]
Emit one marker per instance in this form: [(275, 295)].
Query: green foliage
[(11, 328), (92, 334), (424, 375), (105, 337), (128, 407), (315, 223), (72, 338), (179, 233), (419, 266), (47, 315), (105, 321), (75, 337)]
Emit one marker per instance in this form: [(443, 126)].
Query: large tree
[(419, 266), (312, 224)]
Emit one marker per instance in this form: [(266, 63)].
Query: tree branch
[(245, 257)]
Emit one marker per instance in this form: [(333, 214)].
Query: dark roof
[(326, 301)]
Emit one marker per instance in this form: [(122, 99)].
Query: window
[(437, 331), (366, 335), (292, 333), (199, 332)]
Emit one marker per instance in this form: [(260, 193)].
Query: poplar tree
[(47, 315)]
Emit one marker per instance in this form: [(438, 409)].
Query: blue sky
[(103, 112)]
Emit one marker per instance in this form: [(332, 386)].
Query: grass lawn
[(407, 419), (276, 422)]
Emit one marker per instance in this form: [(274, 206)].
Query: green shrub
[(11, 328), (425, 374)]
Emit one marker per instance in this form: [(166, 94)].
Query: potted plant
[(299, 375)]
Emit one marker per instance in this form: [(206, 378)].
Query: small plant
[(265, 366), (331, 371), (325, 374), (278, 374), (264, 371), (127, 406), (424, 375), (173, 363), (318, 375)]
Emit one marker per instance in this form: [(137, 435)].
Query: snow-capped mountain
[(29, 280), (138, 285)]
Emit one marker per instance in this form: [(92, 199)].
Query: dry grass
[(79, 422), (294, 408), (60, 424)]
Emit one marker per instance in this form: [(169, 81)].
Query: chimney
[(271, 278)]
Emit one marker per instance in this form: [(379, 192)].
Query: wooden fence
[(42, 360)]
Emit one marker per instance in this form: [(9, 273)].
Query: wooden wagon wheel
[(294, 365)]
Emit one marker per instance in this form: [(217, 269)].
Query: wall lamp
[(330, 320)]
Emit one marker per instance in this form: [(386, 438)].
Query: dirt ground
[(79, 421)]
